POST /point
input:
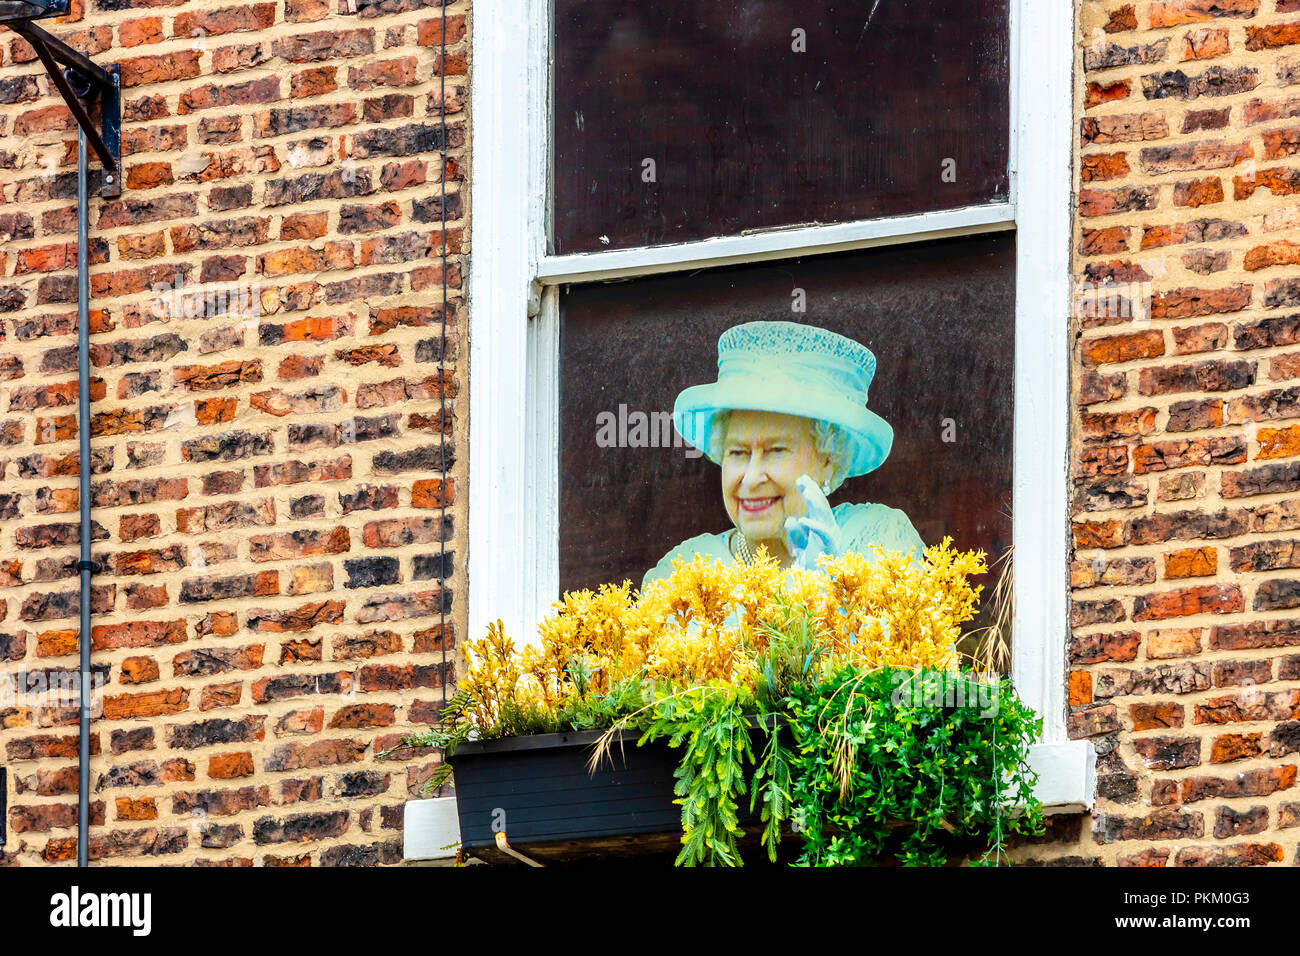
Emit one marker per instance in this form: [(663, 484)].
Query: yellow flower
[(708, 621)]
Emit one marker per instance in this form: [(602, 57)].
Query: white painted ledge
[(777, 243), (1067, 775), (429, 827)]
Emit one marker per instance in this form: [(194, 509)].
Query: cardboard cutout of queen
[(787, 420)]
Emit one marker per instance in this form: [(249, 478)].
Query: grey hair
[(830, 441)]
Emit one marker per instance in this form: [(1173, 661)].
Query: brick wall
[(1185, 649), (268, 488)]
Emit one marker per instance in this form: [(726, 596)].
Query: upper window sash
[(687, 120), (749, 246)]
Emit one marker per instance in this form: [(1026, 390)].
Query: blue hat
[(791, 369)]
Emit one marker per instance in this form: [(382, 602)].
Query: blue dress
[(861, 525)]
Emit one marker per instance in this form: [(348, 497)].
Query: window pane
[(692, 118), (939, 318)]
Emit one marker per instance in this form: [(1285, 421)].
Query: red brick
[(1156, 716), (258, 16), (138, 670), (180, 65), (1123, 348), (137, 634), (1098, 167), (1080, 688), (1272, 36), (1198, 192), (1169, 13), (1204, 44), (303, 226), (1251, 783), (231, 765), (1279, 253), (299, 366), (1191, 563), (430, 32), (220, 695), (140, 30), (1204, 599), (1229, 747), (153, 704), (129, 808), (1103, 647), (1278, 442)]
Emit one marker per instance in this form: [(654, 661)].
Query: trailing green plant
[(714, 724), (792, 658), (771, 784), (874, 748), (711, 724), (452, 729)]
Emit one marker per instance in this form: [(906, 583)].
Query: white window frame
[(513, 559)]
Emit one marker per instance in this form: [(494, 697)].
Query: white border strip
[(507, 92), (542, 564), (1043, 51)]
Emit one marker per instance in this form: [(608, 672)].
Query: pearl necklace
[(740, 547)]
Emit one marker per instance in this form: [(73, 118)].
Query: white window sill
[(1067, 775), (429, 827)]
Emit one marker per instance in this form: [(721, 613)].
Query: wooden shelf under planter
[(539, 791)]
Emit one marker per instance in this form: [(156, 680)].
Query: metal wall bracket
[(80, 85)]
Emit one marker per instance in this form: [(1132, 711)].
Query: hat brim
[(871, 436)]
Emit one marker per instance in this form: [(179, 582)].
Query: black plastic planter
[(539, 792)]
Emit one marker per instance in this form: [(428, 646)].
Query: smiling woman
[(927, 327), (787, 421)]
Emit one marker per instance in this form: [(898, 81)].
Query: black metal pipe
[(83, 433)]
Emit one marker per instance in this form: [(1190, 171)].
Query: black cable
[(442, 359)]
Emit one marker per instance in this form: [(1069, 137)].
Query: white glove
[(815, 534)]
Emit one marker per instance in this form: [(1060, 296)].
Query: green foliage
[(791, 657), (580, 711), (868, 758), (772, 783), (715, 724), (453, 728), (712, 723), (790, 660), (586, 711)]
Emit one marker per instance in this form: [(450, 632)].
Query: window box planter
[(537, 791)]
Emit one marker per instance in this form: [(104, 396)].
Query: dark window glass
[(939, 318), (894, 107)]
